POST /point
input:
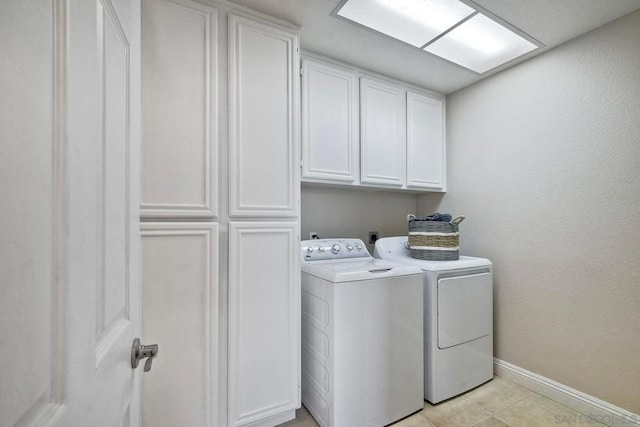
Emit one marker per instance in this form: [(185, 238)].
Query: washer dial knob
[(320, 248), (349, 248), (335, 249), (358, 247), (310, 249)]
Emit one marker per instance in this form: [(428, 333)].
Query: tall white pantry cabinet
[(220, 209)]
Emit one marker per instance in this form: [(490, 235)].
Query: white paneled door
[(180, 109), (425, 142), (263, 94), (329, 123), (264, 319), (382, 133), (179, 280), (69, 120)]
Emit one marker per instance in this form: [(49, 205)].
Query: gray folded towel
[(433, 217)]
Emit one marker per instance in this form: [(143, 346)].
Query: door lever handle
[(139, 352)]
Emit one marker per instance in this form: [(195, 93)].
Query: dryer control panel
[(333, 249)]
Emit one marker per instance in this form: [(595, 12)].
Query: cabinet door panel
[(382, 127), (263, 85), (179, 273), (264, 318), (329, 123), (179, 149), (425, 142)]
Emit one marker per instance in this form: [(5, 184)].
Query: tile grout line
[(482, 420), (493, 414), (528, 395), (547, 406), (475, 404), (462, 397)]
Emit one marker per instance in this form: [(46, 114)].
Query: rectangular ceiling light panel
[(415, 22), (480, 44), (446, 28)]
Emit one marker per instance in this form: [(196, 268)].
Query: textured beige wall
[(337, 212), (544, 159)]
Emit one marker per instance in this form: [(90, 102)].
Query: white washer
[(362, 335), (458, 319)]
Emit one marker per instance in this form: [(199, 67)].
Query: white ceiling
[(551, 22)]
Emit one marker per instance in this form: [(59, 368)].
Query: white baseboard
[(597, 409)]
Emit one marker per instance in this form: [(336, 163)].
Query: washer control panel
[(331, 249)]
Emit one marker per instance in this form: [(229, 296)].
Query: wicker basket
[(434, 240)]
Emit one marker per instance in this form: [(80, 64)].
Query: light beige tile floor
[(498, 403)]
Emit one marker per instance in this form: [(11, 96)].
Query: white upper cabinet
[(382, 133), (425, 142), (180, 109), (263, 98), (329, 123)]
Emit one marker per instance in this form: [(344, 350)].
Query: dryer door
[(465, 308)]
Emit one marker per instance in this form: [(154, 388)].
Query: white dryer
[(458, 319), (362, 336)]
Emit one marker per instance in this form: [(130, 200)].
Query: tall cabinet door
[(329, 123), (179, 259), (263, 149), (264, 185), (382, 133), (180, 114), (425, 142), (264, 321), (179, 311)]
